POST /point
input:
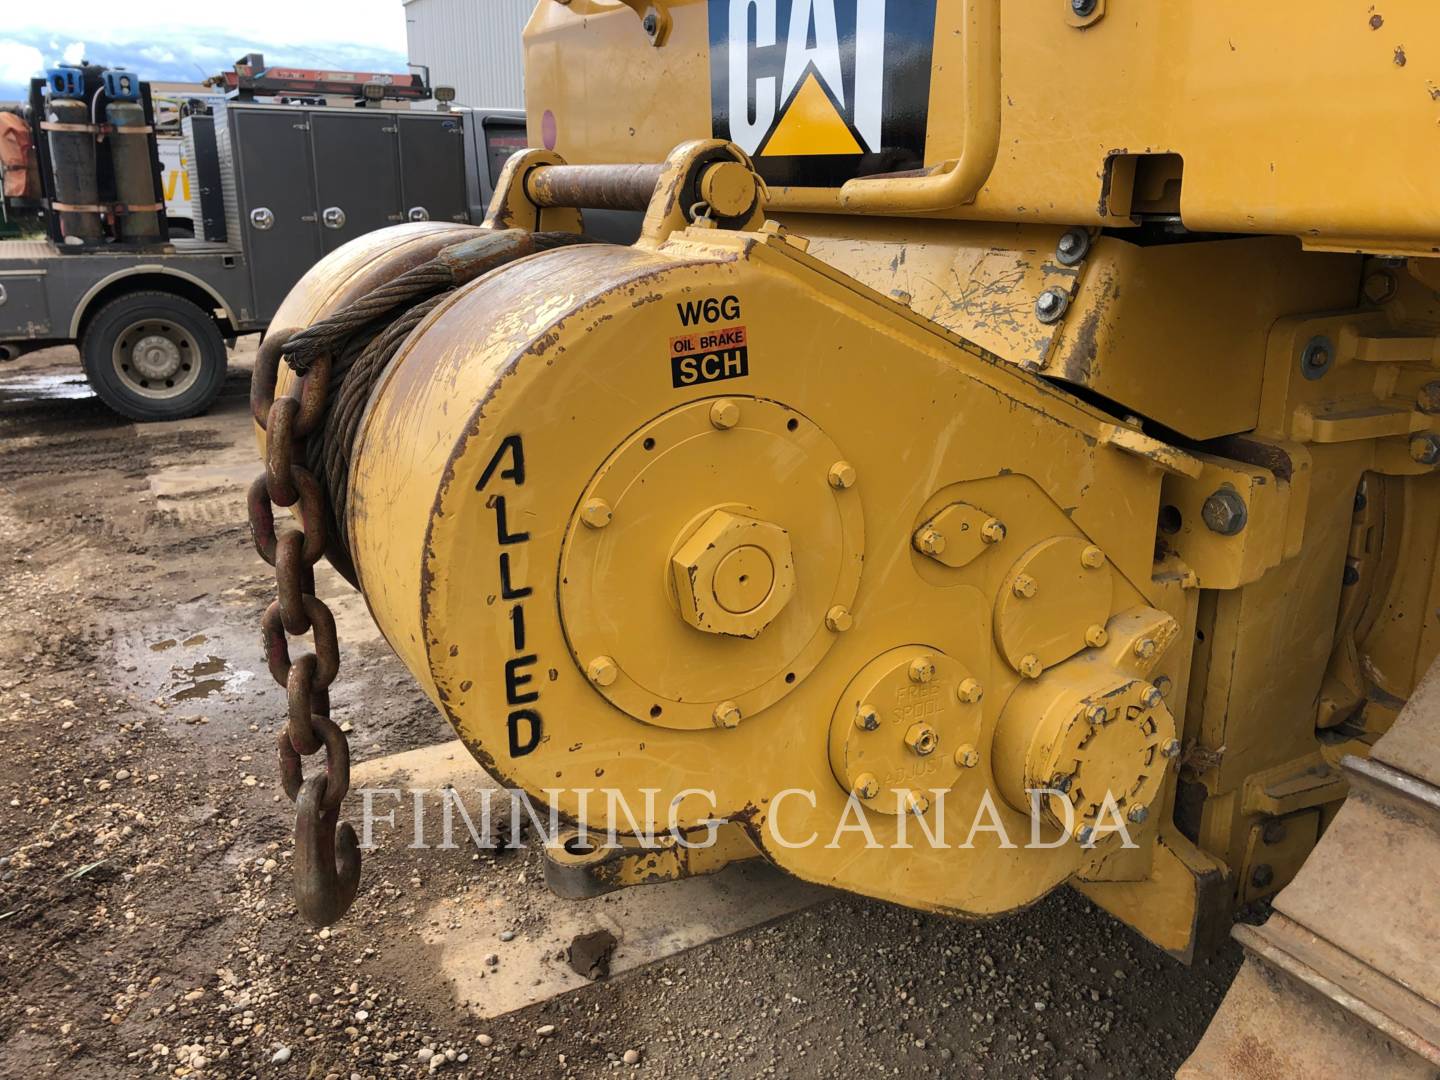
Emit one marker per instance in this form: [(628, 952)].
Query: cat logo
[(819, 92)]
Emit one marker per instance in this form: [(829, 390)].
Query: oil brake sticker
[(819, 92), (706, 356)]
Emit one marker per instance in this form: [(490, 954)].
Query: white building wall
[(472, 45)]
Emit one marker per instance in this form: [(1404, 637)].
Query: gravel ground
[(145, 926)]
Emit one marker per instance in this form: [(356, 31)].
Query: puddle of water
[(47, 387), (161, 646), (211, 665), (198, 639), (202, 689)]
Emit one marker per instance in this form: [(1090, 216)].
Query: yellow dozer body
[(1008, 457)]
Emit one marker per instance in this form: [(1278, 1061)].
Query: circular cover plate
[(617, 595)]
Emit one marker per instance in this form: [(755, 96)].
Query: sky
[(187, 42)]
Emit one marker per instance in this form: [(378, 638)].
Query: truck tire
[(153, 356)]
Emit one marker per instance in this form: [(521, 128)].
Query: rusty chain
[(308, 439), (327, 854)]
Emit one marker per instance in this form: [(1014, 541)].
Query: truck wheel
[(153, 356)]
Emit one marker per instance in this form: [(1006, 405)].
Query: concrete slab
[(649, 922)]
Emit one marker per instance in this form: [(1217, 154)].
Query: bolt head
[(1163, 684), (1062, 784), (1224, 512), (596, 513), (1050, 305), (1138, 814), (724, 414), (1262, 876), (922, 739), (1096, 636), (1273, 831), (650, 23), (1085, 835), (930, 541), (1171, 749), (867, 717), (1151, 698), (867, 786), (1317, 357), (727, 715), (993, 531), (922, 669), (969, 691), (838, 619), (1428, 400), (1092, 558), (1030, 666), (1425, 448), (1025, 587), (603, 671), (841, 475), (917, 803), (1072, 247), (1095, 715), (1083, 8), (1145, 648), (967, 757)]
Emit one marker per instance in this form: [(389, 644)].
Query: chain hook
[(327, 859)]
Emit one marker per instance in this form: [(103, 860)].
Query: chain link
[(327, 857)]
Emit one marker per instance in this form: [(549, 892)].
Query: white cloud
[(379, 24), (74, 52), (19, 63)]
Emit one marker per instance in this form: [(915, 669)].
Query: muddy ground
[(145, 922)]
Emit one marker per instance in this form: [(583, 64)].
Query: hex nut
[(1050, 305), (1425, 448), (695, 564), (1025, 587), (1224, 512), (724, 414), (1151, 698), (1316, 357), (1428, 399), (1096, 636), (867, 786), (1074, 244), (867, 717), (1144, 648), (1096, 714), (727, 715), (930, 542), (922, 739), (967, 757), (1030, 666), (603, 671), (596, 513), (917, 803), (969, 691), (841, 475), (838, 619), (922, 669), (1273, 831), (1092, 558), (993, 531), (1171, 749), (1262, 876), (1139, 813)]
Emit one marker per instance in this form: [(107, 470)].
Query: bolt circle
[(727, 715), (602, 671), (838, 619), (724, 414), (841, 475), (596, 513)]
